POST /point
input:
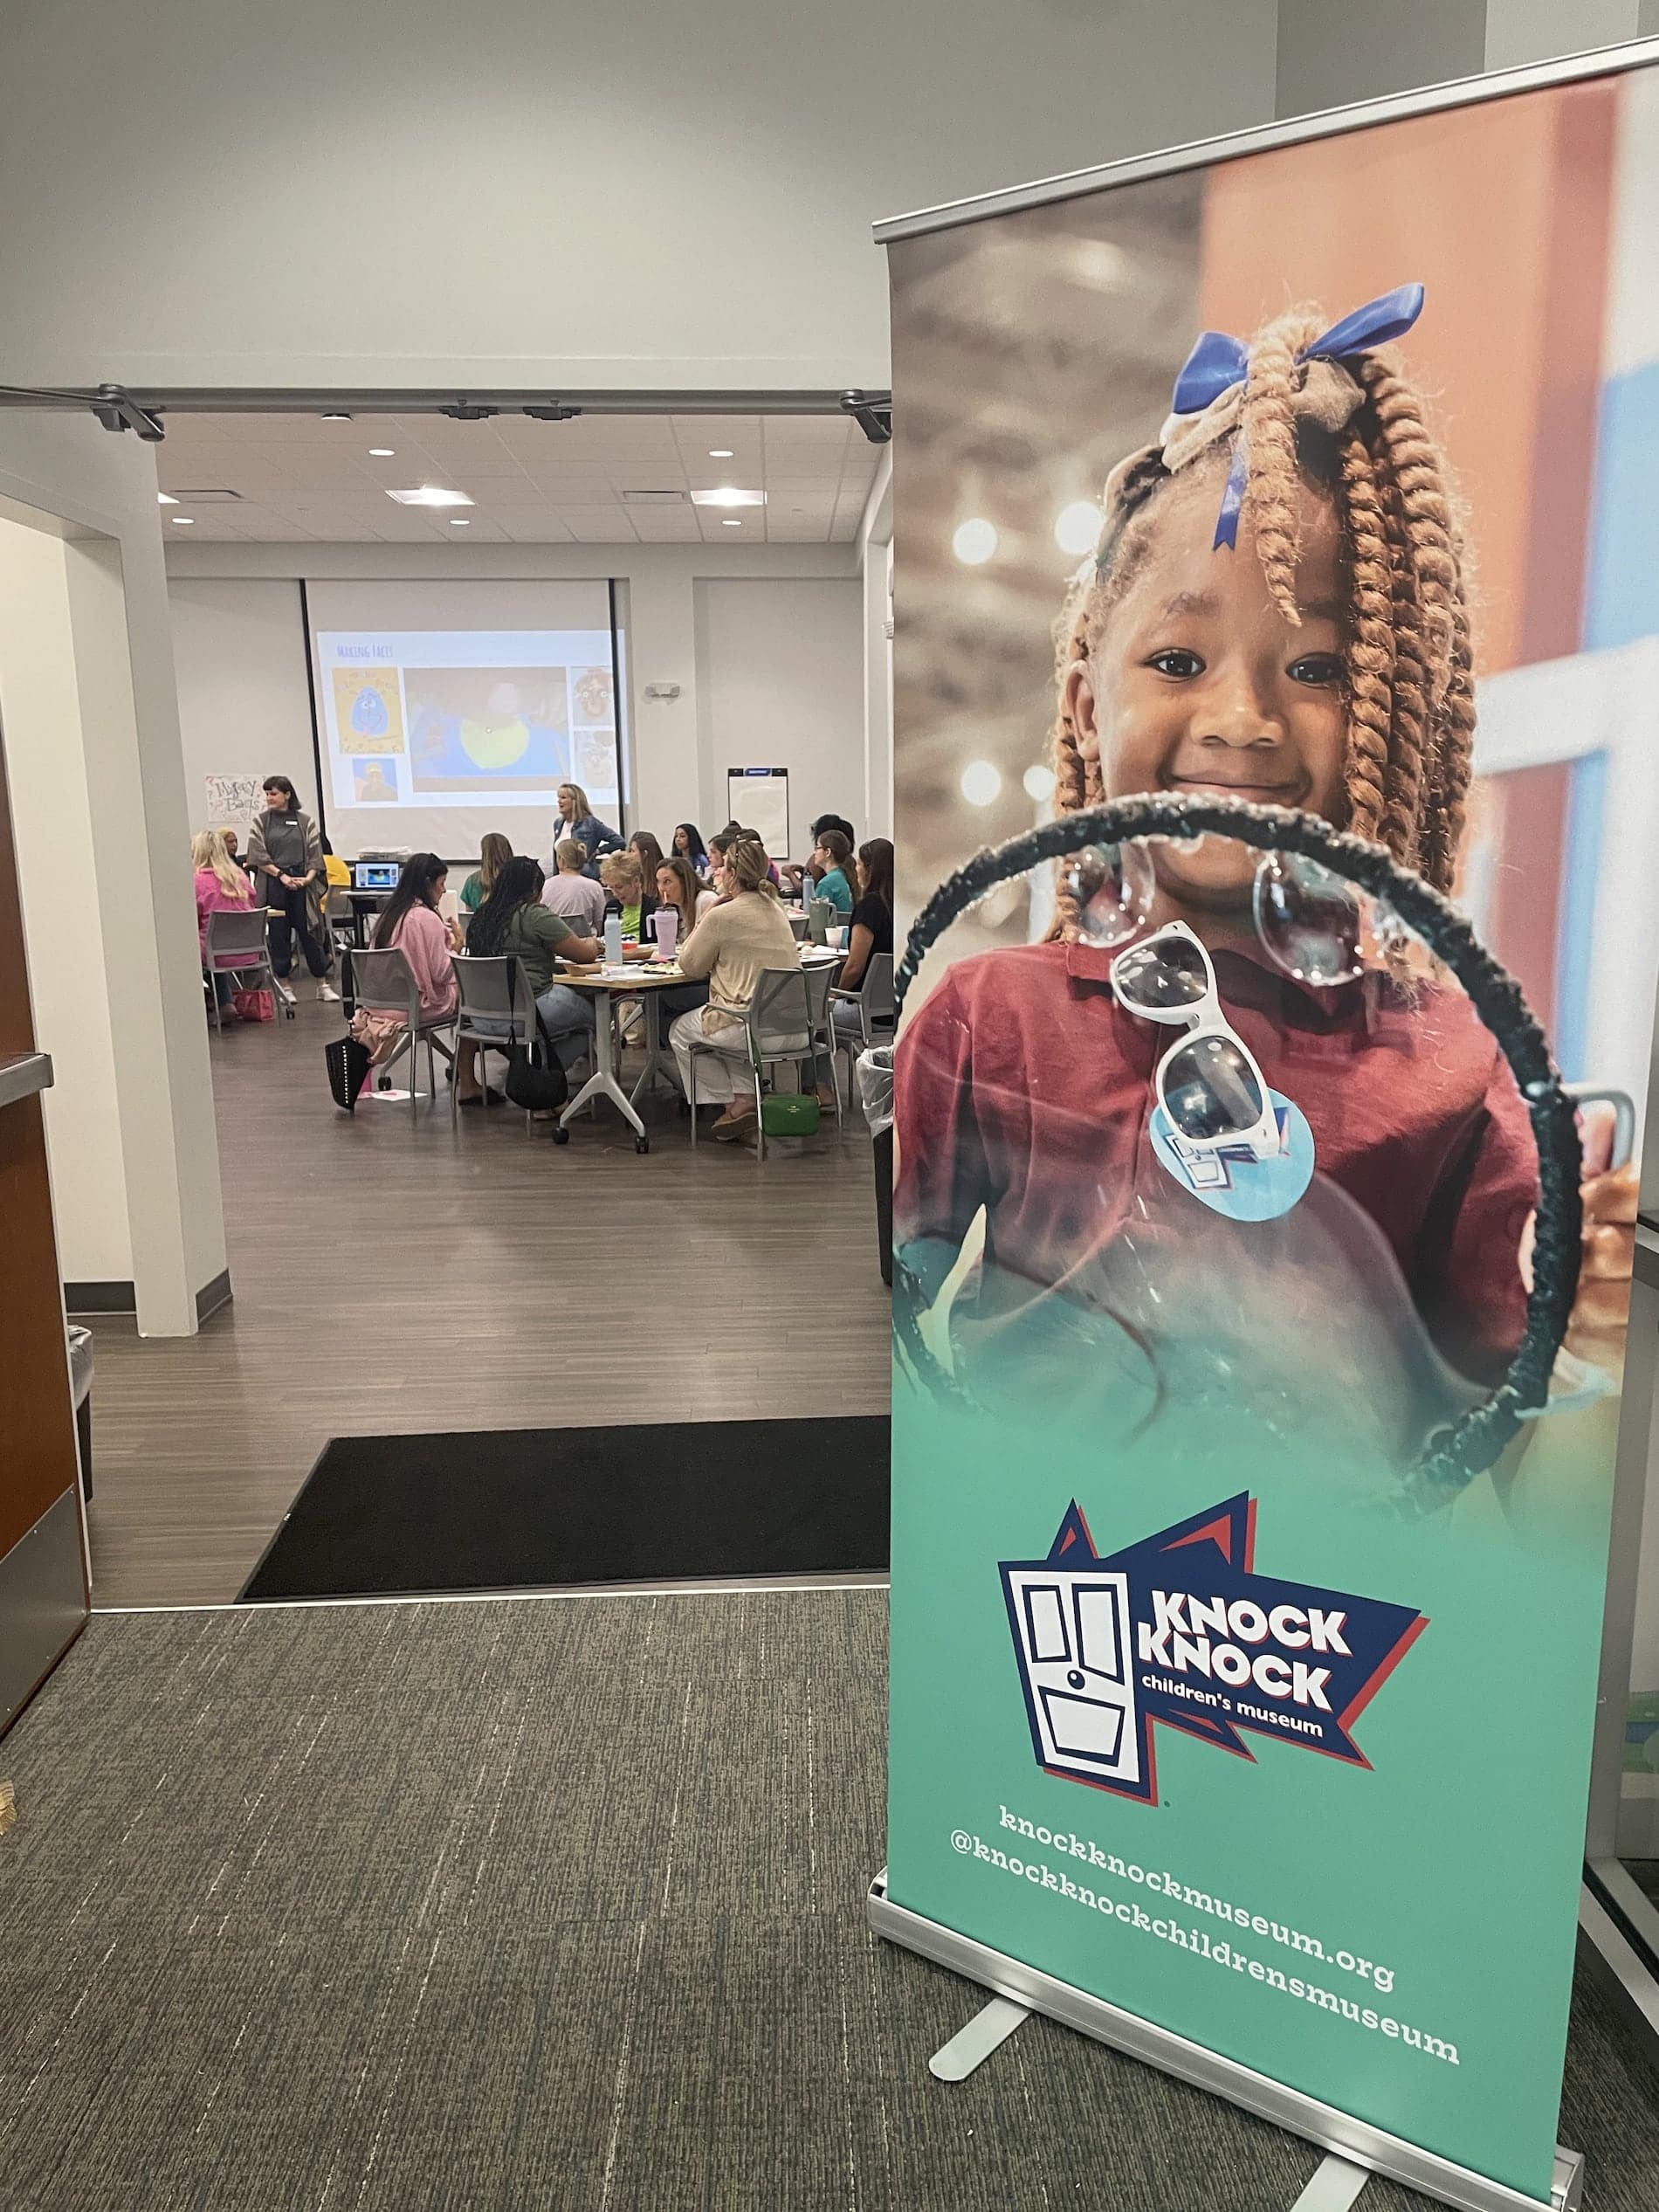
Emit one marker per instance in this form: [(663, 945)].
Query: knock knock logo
[(1179, 1628)]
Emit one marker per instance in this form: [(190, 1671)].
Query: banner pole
[(1355, 2142)]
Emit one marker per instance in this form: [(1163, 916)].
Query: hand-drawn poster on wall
[(232, 801)]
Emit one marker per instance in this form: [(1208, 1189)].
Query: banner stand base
[(1354, 2142)]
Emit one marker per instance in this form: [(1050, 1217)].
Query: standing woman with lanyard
[(285, 859)]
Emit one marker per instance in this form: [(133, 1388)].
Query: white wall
[(51, 821), (242, 673), (643, 193), (244, 709), (782, 687), (143, 925)]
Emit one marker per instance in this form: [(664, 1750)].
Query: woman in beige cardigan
[(732, 946)]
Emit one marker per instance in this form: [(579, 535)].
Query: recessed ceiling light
[(728, 495), (430, 495), (181, 521), (382, 452), (459, 522), (336, 418), (720, 452), (733, 523), (165, 499)]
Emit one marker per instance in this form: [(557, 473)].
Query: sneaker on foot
[(326, 992), (283, 993)]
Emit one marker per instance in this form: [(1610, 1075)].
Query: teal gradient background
[(1456, 1861)]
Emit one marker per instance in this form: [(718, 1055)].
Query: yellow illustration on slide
[(500, 736), (368, 709)]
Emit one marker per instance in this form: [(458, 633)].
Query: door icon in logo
[(1076, 1655)]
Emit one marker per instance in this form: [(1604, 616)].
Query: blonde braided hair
[(1407, 642)]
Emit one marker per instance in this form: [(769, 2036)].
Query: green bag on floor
[(786, 1114)]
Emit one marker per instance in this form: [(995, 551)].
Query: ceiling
[(302, 479)]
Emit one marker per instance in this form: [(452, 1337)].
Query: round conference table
[(641, 980)]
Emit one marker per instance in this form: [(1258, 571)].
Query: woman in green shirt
[(495, 853), (625, 893), (514, 922)]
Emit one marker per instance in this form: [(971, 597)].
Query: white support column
[(669, 742), (876, 570), (133, 934), (135, 785)]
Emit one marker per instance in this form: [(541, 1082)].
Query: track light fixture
[(873, 417), (467, 410), (117, 411), (552, 413)]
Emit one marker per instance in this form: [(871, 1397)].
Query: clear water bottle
[(613, 939)]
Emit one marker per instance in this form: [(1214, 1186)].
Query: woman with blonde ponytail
[(221, 888), (733, 945)]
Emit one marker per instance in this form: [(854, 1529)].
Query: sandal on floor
[(483, 1099)]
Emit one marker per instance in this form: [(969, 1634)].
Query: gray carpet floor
[(547, 1904)]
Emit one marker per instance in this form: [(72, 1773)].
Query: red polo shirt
[(1024, 1087)]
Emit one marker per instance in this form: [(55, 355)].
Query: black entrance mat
[(524, 1508)]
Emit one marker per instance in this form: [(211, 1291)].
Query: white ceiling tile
[(542, 527), (594, 525)]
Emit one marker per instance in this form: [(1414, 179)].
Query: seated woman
[(625, 893), (688, 846), (678, 888), (746, 933), (649, 854), (495, 853), (410, 924), (514, 923), (573, 896), (832, 868), (872, 932), (221, 888)]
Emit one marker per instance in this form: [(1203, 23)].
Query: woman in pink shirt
[(412, 926), (221, 888)]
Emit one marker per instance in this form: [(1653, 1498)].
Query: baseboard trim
[(100, 1298), (213, 1295)]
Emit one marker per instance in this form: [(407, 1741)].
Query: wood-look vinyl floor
[(395, 1278)]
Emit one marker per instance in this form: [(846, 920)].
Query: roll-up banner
[(1321, 475)]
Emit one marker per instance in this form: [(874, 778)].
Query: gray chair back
[(820, 980), (237, 939), (487, 996), (878, 989), (383, 982), (780, 1016)]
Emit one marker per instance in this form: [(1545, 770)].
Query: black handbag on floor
[(348, 1064)]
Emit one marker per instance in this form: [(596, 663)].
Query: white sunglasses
[(1209, 1084)]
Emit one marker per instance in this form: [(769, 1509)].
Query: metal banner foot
[(986, 2031), (1357, 2148), (1334, 2187)]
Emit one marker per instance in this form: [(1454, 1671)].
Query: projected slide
[(438, 719)]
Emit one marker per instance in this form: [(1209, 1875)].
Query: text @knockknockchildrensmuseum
[(1222, 1952)]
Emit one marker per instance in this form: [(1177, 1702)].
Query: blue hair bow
[(1218, 361)]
